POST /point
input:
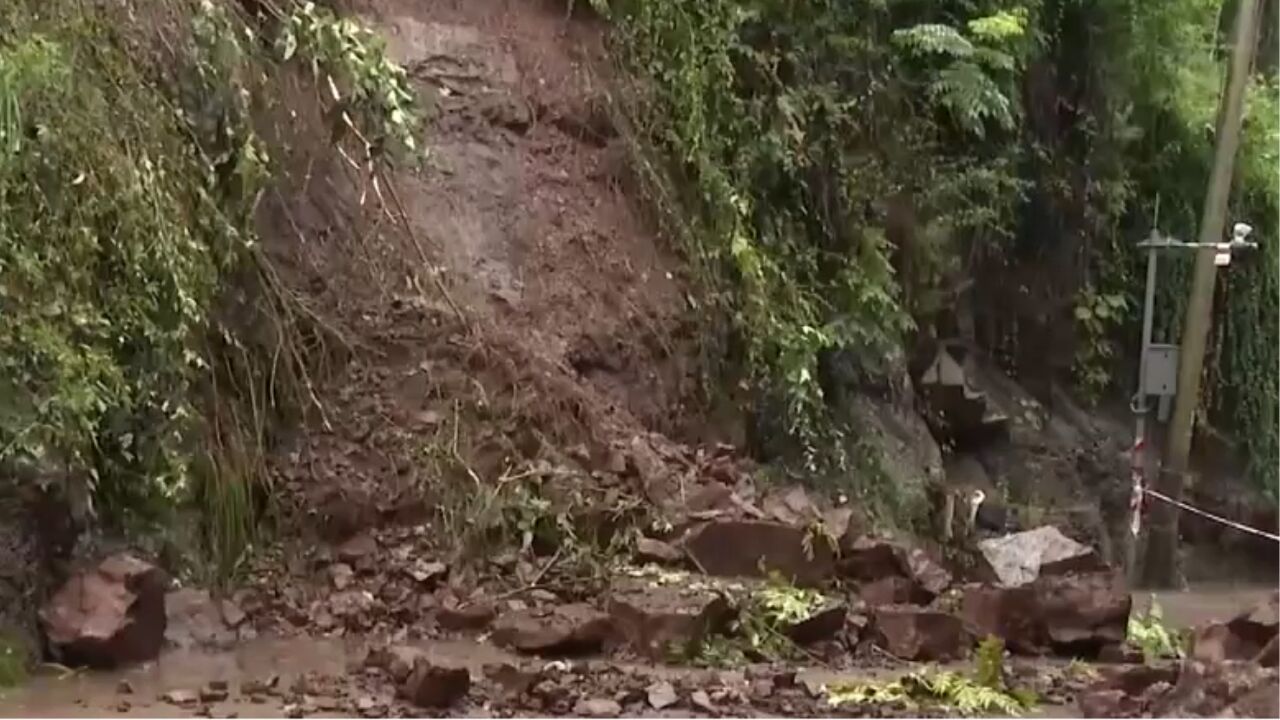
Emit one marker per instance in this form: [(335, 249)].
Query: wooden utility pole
[(1160, 568)]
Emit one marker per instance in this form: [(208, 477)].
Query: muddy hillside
[(494, 462)]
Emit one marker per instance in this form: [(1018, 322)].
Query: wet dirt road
[(96, 694)]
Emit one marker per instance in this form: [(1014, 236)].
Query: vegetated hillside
[(517, 276)]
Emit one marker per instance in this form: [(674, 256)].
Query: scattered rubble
[(108, 615), (1250, 635)]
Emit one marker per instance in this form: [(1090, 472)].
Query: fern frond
[(971, 97), (933, 39)]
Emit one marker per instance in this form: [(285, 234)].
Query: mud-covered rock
[(1205, 689), (1085, 612), (1261, 702), (914, 633), (927, 573), (108, 615), (566, 630), (396, 660), (1244, 637), (1020, 558), (195, 619), (657, 551), (1107, 703), (433, 686), (653, 617), (747, 548), (475, 616)]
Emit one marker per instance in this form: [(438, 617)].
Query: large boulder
[(573, 629), (108, 615), (1085, 612), (729, 548), (654, 618), (1020, 558), (914, 633), (1007, 613)]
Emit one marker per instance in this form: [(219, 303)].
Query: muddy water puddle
[(96, 694)]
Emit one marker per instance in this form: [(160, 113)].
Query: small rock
[(340, 574), (211, 694), (702, 701), (180, 698), (656, 551), (397, 660), (513, 681), (1106, 704), (292, 710), (124, 706), (433, 686), (232, 615), (661, 694), (357, 548), (576, 628), (260, 687), (428, 573), (475, 616), (598, 707), (914, 633), (124, 687), (928, 574)]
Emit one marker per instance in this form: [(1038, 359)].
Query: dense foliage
[(145, 344), (853, 176)]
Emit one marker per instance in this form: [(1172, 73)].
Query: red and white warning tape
[(1211, 516), (1139, 490)]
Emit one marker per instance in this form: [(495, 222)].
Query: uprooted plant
[(986, 693), (1150, 634)]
